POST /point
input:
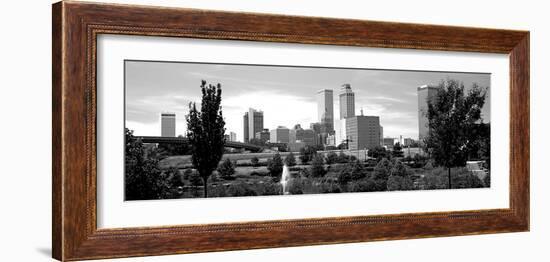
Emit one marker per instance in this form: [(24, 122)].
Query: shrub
[(429, 165), (435, 179), (295, 186), (304, 172), (344, 176), (269, 189), (365, 185), (397, 182), (258, 173), (462, 178), (240, 189), (226, 169), (254, 161), (217, 191)]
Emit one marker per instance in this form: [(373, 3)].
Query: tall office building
[(325, 109), (347, 109), (363, 132), (298, 134), (232, 136), (279, 135), (253, 122), (426, 93), (263, 135), (381, 136), (168, 124), (347, 102)]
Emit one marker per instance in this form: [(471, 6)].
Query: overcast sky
[(285, 94)]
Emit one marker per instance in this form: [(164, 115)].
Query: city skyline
[(286, 95)]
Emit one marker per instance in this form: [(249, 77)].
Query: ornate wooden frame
[(76, 26)]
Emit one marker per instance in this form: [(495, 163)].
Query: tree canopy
[(452, 119), (205, 131)]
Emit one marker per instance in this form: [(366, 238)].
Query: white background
[(25, 106), (114, 212)]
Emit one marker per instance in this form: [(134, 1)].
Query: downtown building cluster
[(357, 132)]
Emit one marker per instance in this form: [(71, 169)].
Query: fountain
[(284, 179)]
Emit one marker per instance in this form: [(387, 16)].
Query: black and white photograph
[(198, 130)]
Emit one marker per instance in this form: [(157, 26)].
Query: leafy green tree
[(307, 153), (378, 153), (205, 131), (255, 161), (226, 169), (381, 174), (317, 166), (452, 116), (290, 159), (142, 176), (365, 185), (176, 179), (343, 158), (174, 149), (344, 176), (397, 150), (399, 178), (275, 165), (331, 158), (357, 170)]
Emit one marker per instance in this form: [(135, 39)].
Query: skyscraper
[(168, 124), (363, 132), (279, 135), (347, 109), (426, 93), (253, 122), (325, 109), (347, 102), (231, 136), (381, 136)]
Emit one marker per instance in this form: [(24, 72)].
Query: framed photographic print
[(181, 130)]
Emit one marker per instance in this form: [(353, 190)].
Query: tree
[(397, 150), (317, 166), (399, 178), (331, 158), (205, 131), (307, 153), (381, 174), (378, 153), (226, 169), (290, 160), (452, 116), (275, 165), (142, 176), (357, 170), (343, 158), (174, 149), (255, 161)]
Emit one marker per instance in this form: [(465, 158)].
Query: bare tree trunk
[(205, 185), (449, 169)]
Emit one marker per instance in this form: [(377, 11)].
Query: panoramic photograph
[(205, 130)]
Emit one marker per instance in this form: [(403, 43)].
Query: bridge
[(184, 140)]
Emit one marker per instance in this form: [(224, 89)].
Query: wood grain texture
[(75, 29)]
